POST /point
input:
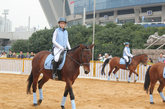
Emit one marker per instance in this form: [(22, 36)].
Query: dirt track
[(89, 94)]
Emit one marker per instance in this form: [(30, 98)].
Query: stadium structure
[(118, 11)]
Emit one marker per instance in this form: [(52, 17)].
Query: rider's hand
[(62, 48)]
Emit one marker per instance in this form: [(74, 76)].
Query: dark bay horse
[(154, 73), (80, 55), (115, 65)]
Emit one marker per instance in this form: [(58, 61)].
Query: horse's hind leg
[(40, 85), (151, 91), (114, 72), (35, 80), (110, 71), (160, 89)]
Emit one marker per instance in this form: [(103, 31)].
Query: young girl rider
[(127, 53), (60, 43)]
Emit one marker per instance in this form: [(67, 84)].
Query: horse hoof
[(35, 104), (62, 107), (151, 102), (128, 81), (39, 102), (164, 101), (135, 81)]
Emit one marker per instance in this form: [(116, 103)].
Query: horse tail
[(104, 64), (30, 81), (147, 80)]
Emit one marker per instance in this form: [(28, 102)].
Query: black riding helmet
[(62, 19)]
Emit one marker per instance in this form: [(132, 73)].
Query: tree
[(20, 45), (41, 40), (108, 38)]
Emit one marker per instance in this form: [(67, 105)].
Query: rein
[(74, 60), (79, 63)]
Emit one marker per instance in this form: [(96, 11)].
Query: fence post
[(138, 69), (23, 66), (94, 68)]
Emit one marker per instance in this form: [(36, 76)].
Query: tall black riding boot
[(55, 65), (127, 65)]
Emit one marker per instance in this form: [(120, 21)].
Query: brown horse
[(114, 63), (75, 57), (154, 73)]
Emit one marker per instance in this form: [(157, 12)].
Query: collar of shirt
[(62, 29)]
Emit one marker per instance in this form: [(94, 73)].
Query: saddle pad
[(122, 61), (48, 62), (164, 73)]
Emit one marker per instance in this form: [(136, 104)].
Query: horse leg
[(109, 73), (64, 98), (72, 98), (41, 82), (35, 80), (160, 88), (136, 76), (114, 72), (151, 91), (129, 77)]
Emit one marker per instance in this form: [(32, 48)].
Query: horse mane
[(73, 49), (139, 55)]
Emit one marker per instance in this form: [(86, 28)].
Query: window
[(89, 16), (106, 13), (153, 19), (157, 8), (126, 21), (127, 11)]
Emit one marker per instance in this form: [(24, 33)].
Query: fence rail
[(23, 66)]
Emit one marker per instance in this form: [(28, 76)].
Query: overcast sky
[(19, 10)]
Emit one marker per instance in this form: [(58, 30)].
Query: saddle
[(123, 61), (59, 62), (49, 63)]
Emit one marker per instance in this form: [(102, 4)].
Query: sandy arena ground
[(89, 94)]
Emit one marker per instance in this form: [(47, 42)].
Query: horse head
[(143, 58), (85, 57)]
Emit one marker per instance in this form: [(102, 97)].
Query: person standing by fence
[(161, 58)]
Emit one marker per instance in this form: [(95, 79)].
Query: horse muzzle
[(86, 72), (86, 69)]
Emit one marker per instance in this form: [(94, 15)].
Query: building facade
[(5, 25), (118, 11)]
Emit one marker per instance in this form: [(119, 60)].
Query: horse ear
[(91, 46)]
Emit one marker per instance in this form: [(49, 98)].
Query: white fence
[(23, 66)]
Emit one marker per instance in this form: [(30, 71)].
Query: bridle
[(143, 61), (81, 55)]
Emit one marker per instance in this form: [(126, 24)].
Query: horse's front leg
[(64, 98), (68, 89), (129, 77), (72, 98), (136, 76)]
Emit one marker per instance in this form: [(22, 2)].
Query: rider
[(60, 42), (127, 53)]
